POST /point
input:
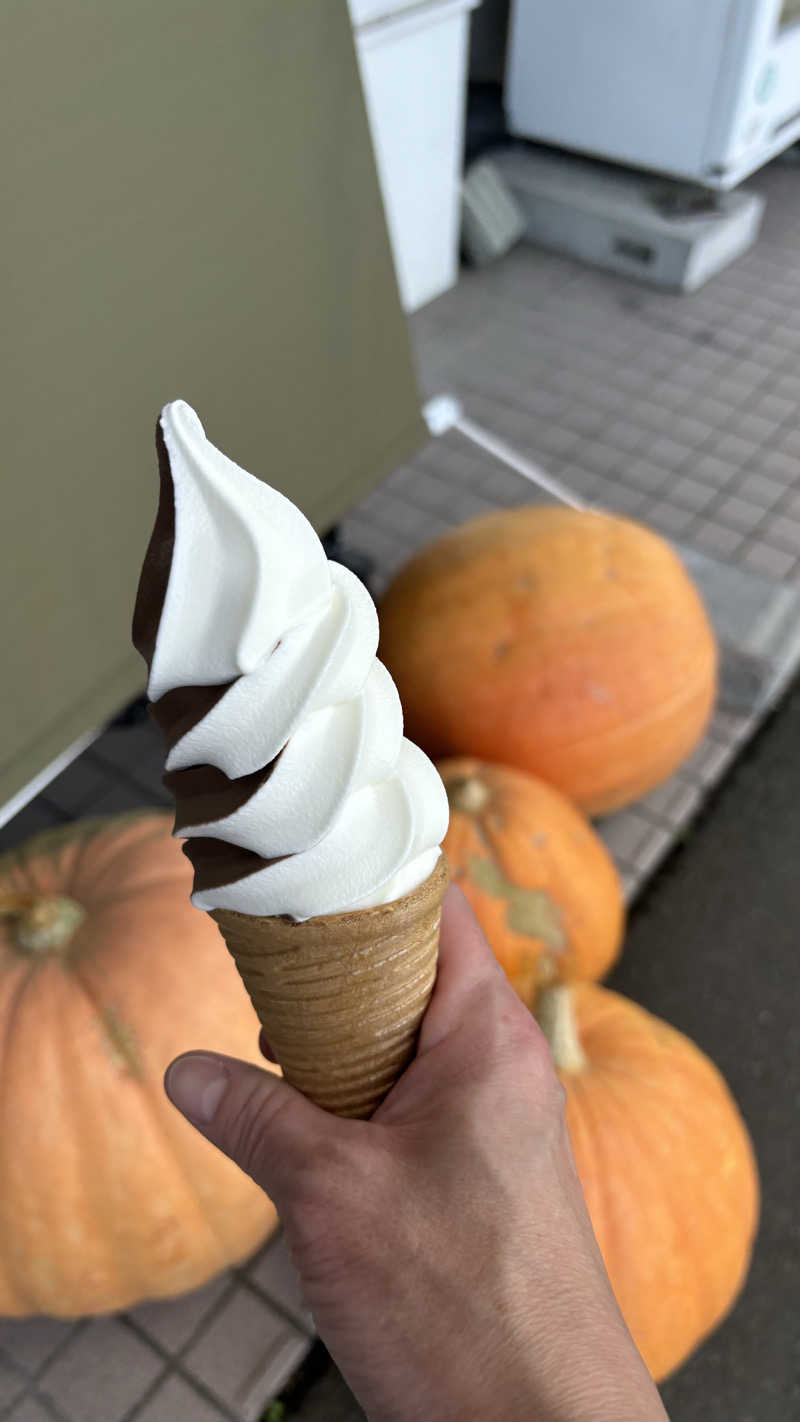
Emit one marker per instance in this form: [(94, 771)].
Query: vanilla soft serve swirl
[(295, 789)]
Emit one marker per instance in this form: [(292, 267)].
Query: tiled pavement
[(683, 412), (680, 411)]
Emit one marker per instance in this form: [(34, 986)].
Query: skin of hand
[(444, 1246)]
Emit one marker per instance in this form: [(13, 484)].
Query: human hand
[(444, 1246)]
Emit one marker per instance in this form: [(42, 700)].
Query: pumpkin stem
[(556, 1017), (43, 925), (468, 795)]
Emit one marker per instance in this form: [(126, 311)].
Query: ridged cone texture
[(341, 997)]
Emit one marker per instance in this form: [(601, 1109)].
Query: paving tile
[(705, 763), (691, 493), (247, 1353), (658, 801), (403, 516), (788, 441), (584, 420), (667, 518), (772, 350), (729, 728), (713, 538), (76, 788), (121, 797), (683, 801), (623, 834), (136, 751), (601, 458), (775, 406), (712, 470), (175, 1400), (745, 377), (554, 439), (783, 532), (36, 816), (466, 505), (660, 419), (643, 474), (696, 434), (171, 1322), (787, 386), (100, 1376), (670, 453), (739, 513), (30, 1409), (791, 505), (691, 376), (129, 745), (273, 1271), (29, 1342), (711, 412), (673, 397), (750, 426), (763, 558), (12, 1383), (620, 499), (630, 880), (653, 849), (508, 488), (760, 489), (780, 465), (735, 450), (580, 481), (625, 436), (706, 361)]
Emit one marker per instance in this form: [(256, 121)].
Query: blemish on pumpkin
[(539, 840), (501, 650), (525, 581), (597, 692), (122, 1042), (530, 911)]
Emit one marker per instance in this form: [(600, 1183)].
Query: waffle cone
[(341, 996)]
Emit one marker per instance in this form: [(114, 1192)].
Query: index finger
[(466, 965)]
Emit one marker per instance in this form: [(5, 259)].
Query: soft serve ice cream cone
[(312, 824)]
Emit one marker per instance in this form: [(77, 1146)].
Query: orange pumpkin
[(569, 644), (542, 884), (665, 1162), (107, 1196)]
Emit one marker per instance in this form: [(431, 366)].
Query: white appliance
[(706, 90), (413, 59)]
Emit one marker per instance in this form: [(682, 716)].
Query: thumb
[(263, 1124)]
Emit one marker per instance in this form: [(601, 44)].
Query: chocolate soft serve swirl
[(296, 791)]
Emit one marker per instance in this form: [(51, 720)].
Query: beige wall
[(190, 209)]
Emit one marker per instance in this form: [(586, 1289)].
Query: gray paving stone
[(760, 489), (763, 558), (29, 1342), (32, 819), (31, 1409), (102, 1374), (175, 1400), (12, 1383), (783, 533), (172, 1322), (246, 1354), (738, 513)]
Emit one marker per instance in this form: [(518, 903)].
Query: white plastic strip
[(444, 412)]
